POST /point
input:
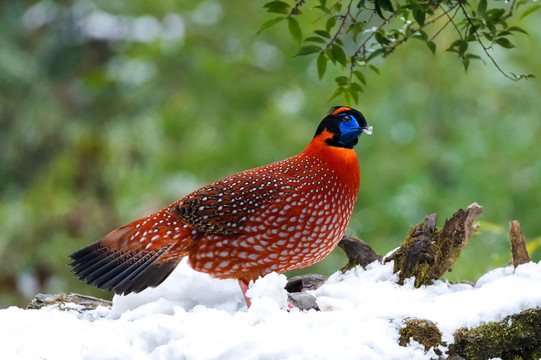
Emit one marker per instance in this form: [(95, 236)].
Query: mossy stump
[(428, 252), (515, 337), (358, 253), (425, 332)]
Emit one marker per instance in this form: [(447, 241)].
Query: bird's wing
[(223, 206)]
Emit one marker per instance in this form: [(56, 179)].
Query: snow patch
[(193, 316)]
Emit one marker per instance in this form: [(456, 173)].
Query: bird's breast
[(314, 201)]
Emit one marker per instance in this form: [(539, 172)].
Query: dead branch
[(358, 252), (427, 253), (518, 244)]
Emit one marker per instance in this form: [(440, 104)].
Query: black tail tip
[(123, 272)]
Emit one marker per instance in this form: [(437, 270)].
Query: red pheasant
[(278, 217)]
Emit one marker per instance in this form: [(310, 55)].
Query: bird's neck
[(343, 161)]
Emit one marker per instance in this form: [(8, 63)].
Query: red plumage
[(278, 217)]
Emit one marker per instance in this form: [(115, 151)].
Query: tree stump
[(427, 253)]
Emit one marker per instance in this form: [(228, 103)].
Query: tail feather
[(135, 256), (94, 263), (130, 269), (122, 271)]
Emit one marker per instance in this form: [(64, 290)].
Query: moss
[(425, 332), (428, 252), (418, 254), (517, 336)]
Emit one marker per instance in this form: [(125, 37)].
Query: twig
[(485, 49), (295, 9), (446, 12)]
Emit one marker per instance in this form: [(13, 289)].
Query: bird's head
[(345, 125)]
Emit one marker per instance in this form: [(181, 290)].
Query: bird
[(275, 218)]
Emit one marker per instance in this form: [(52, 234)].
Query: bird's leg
[(244, 287)]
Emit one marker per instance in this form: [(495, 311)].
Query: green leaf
[(378, 9), (315, 39), (347, 96), (482, 7), (322, 8), (488, 35), (354, 92), (309, 49), (323, 33), (330, 55), (375, 53), (432, 46), (465, 62), (269, 23), (493, 14), (422, 35), (504, 33), (459, 46), (520, 77), (517, 29), (374, 68), (419, 14), (356, 28), (276, 3), (382, 39), (360, 4), (473, 56), (339, 54), (341, 80), (357, 87), (321, 65), (330, 23), (387, 5), (336, 93), (279, 7), (359, 75), (504, 42), (529, 10), (295, 29), (383, 5)]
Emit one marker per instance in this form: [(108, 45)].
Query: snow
[(193, 316)]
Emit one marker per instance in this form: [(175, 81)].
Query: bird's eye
[(347, 118)]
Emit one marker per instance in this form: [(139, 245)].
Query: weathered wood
[(427, 253), (63, 301), (297, 286), (519, 252), (515, 337), (358, 252), (305, 282)]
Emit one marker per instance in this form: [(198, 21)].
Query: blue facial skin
[(349, 130)]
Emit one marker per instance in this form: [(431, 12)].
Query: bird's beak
[(367, 130)]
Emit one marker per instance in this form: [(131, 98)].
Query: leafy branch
[(353, 34)]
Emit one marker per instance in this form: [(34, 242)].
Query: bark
[(428, 252), (62, 301), (358, 252), (516, 336), (518, 244)]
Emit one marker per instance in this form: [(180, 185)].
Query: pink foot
[(244, 288)]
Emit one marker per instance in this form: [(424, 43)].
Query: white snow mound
[(193, 316)]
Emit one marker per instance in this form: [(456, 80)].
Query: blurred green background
[(112, 110)]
